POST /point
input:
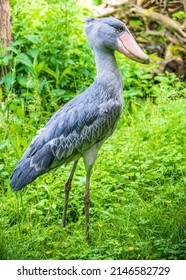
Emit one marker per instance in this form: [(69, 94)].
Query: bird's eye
[(120, 29)]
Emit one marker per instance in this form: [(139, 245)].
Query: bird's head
[(112, 34)]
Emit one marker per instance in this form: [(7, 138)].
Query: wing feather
[(72, 130)]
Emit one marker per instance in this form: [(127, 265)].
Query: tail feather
[(23, 175), (29, 168)]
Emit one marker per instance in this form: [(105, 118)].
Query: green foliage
[(138, 183), (180, 15), (137, 192), (48, 50), (97, 2)]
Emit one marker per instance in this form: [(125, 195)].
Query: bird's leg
[(67, 189), (87, 203), (89, 158)]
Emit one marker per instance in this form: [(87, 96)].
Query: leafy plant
[(138, 183), (38, 67)]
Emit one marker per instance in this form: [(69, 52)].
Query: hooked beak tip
[(147, 61)]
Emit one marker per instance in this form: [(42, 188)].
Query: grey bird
[(80, 127)]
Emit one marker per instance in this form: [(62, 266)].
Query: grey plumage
[(75, 128), (80, 127)]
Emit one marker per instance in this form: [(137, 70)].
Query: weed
[(138, 183)]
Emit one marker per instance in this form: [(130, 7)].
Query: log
[(174, 61), (5, 25), (161, 19)]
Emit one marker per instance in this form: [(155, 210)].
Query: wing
[(76, 127)]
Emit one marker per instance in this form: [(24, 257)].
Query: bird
[(79, 128)]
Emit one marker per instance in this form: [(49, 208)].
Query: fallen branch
[(119, 3), (161, 19), (103, 11)]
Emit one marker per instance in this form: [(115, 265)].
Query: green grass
[(137, 196), (138, 183)]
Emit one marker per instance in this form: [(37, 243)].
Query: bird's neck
[(107, 68)]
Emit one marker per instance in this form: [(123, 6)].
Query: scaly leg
[(67, 189), (87, 203)]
